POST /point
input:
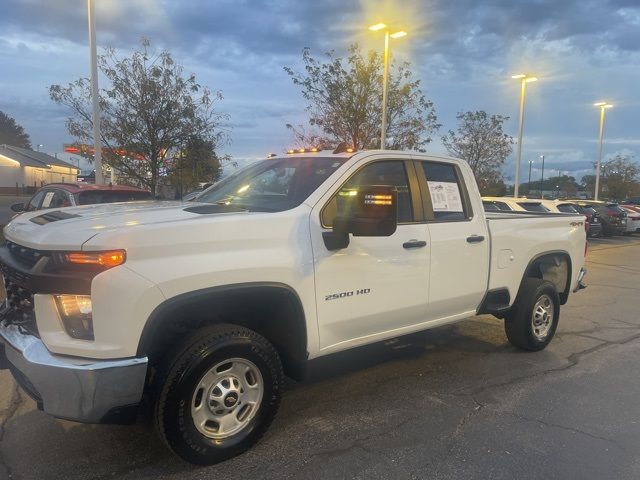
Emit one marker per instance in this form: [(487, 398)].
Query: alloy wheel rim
[(227, 398), (542, 317)]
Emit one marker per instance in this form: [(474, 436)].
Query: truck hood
[(70, 228)]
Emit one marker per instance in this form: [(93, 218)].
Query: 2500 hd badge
[(337, 296)]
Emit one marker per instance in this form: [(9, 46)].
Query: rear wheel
[(533, 319), (219, 394)]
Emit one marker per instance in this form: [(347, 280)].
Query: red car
[(58, 195)]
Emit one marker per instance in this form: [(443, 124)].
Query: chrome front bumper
[(92, 391)]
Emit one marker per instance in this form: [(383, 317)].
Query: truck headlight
[(76, 314)]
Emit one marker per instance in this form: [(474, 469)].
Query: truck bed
[(517, 238)]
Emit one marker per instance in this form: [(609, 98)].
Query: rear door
[(459, 241), (377, 285)]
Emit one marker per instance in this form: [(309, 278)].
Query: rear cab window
[(497, 206), (448, 195), (91, 197), (533, 207), (567, 208)]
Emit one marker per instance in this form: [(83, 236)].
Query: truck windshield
[(272, 185)]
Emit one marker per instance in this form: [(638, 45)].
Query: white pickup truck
[(197, 310)]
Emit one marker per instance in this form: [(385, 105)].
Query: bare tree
[(345, 97), (481, 141), (150, 112)]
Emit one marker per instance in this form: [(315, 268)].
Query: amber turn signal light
[(108, 259)]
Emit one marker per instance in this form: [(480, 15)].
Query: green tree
[(345, 98), (588, 183), (196, 163), (619, 177), (563, 183), (150, 111), (11, 133), (481, 141)]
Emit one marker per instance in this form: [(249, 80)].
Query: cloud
[(463, 51)]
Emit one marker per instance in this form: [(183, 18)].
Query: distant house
[(23, 170)]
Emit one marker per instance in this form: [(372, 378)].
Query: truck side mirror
[(17, 207), (370, 211)]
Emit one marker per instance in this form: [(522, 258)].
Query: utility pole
[(97, 142), (524, 79), (542, 177), (603, 106)]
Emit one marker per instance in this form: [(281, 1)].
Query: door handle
[(414, 244), (475, 239)]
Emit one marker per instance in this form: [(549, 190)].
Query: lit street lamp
[(385, 75), (524, 79), (97, 143), (603, 106)]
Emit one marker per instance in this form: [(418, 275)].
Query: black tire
[(181, 373), (519, 322)]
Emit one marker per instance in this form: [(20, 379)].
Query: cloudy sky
[(464, 52)]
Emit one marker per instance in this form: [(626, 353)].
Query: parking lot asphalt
[(453, 402)]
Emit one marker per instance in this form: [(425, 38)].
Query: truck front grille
[(19, 308)]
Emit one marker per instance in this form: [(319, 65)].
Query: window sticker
[(47, 199), (445, 197)]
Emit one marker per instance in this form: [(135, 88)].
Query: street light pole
[(542, 177), (529, 183), (385, 86), (97, 143), (524, 79), (385, 75), (603, 106)]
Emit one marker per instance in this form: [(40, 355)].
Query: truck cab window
[(386, 173), (446, 191)]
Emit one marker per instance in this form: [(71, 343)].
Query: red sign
[(84, 149)]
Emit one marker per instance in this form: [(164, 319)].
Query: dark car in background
[(613, 217), (59, 195), (594, 228)]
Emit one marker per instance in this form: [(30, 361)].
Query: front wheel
[(533, 319), (219, 394)]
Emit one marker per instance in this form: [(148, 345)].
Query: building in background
[(23, 171)]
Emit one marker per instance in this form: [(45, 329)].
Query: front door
[(377, 285)]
